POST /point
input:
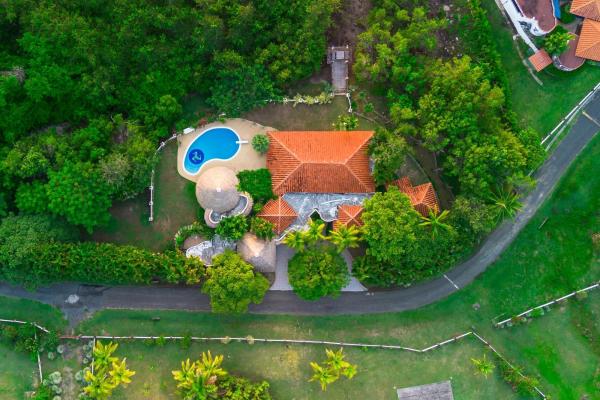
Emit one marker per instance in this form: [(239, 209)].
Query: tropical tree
[(558, 41), (436, 222), (314, 232), (345, 237), (109, 372), (232, 284), (233, 227), (483, 366), (198, 380), (336, 360), (260, 143), (345, 122), (332, 369), (506, 203), (295, 240), (318, 271)]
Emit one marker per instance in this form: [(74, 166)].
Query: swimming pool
[(219, 143)]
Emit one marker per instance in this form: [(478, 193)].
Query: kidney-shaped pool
[(218, 143)]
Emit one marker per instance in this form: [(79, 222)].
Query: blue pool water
[(215, 143)]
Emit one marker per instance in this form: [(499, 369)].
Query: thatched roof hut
[(216, 189)]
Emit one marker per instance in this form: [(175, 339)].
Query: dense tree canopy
[(112, 75)]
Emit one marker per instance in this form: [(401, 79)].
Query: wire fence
[(550, 138), (541, 306), (252, 340), (151, 187)]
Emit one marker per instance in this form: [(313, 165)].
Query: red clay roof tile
[(278, 212), (349, 215), (540, 60), (589, 40), (422, 197), (586, 8), (320, 162)]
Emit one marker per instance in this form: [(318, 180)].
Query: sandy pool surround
[(245, 158)]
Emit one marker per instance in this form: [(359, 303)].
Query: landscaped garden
[(387, 187), (560, 348)]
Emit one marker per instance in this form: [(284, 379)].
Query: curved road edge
[(93, 298)]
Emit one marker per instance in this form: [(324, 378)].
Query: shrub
[(557, 41), (258, 183), (346, 122), (317, 272), (262, 228), (260, 143), (31, 198), (232, 227), (195, 228), (232, 284)]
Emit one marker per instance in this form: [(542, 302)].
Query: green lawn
[(540, 107), (562, 348), (175, 205)]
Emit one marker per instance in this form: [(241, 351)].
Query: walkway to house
[(94, 298), (339, 57), (284, 254)]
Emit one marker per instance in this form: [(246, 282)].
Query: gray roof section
[(433, 391)]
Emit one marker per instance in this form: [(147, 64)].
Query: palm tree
[(483, 366), (295, 240), (324, 376), (103, 354), (336, 361), (314, 232), (120, 374), (506, 202), (198, 380), (345, 237), (436, 222), (98, 387)]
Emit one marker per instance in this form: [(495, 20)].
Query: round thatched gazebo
[(216, 189)]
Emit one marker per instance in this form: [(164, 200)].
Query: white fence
[(151, 187), (555, 133)]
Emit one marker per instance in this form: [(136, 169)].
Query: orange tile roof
[(589, 40), (540, 60), (349, 215), (422, 197), (586, 8), (278, 212), (320, 162)]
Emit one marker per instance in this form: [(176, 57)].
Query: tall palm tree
[(483, 366), (323, 375), (436, 222), (344, 237), (506, 202), (295, 240)]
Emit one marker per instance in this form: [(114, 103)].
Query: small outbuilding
[(433, 391), (216, 189)]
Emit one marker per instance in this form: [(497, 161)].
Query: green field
[(540, 107)]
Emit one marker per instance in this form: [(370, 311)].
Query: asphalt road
[(93, 298)]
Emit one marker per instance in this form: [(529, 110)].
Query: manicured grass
[(541, 264), (17, 373), (32, 311), (175, 205), (540, 107)]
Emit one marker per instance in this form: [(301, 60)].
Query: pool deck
[(246, 158)]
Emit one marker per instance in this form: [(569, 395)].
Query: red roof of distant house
[(541, 10), (569, 59), (540, 60), (278, 212), (349, 215), (422, 197), (586, 8), (320, 162), (589, 40)]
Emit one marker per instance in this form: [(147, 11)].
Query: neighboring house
[(589, 40), (538, 15)]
